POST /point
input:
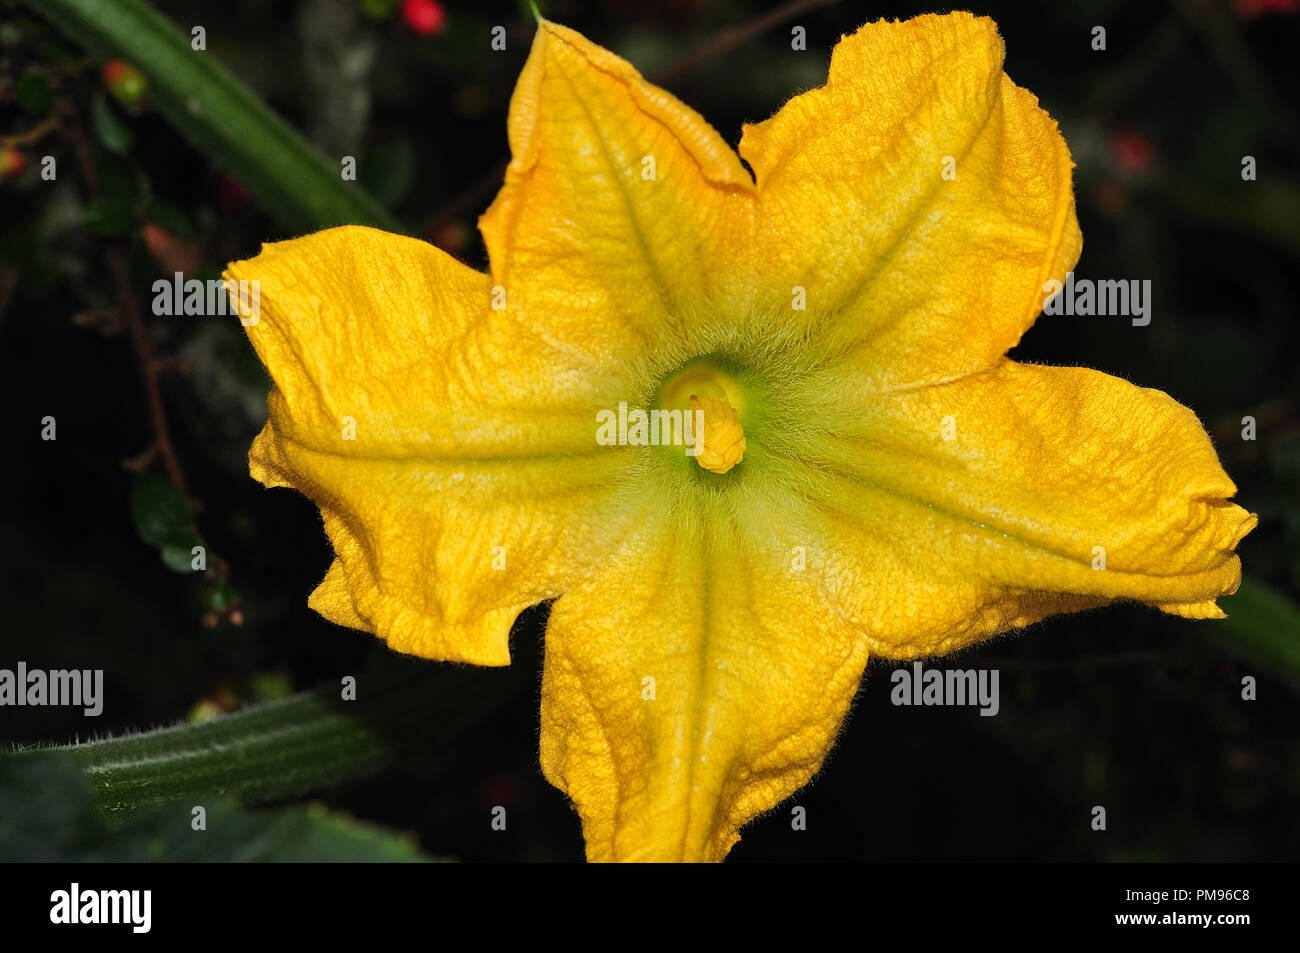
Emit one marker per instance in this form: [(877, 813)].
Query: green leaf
[(218, 596), (109, 215), (34, 94), (117, 178), (172, 218), (1262, 626), (389, 171), (271, 686), (158, 510), (108, 126), (178, 551), (219, 115), (32, 823), (378, 10)]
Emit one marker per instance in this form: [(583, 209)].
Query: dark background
[(1122, 707)]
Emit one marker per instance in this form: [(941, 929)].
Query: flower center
[(714, 401), (719, 437)]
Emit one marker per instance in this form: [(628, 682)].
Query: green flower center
[(702, 377)]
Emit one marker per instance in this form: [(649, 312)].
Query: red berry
[(231, 194), (423, 17), (1132, 150), (11, 163), (452, 237), (112, 71), (125, 82), (1255, 8)]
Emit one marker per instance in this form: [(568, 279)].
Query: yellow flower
[(875, 475)]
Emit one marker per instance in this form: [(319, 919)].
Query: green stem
[(287, 748), (219, 115)]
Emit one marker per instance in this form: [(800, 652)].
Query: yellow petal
[(702, 677), (920, 198), (697, 683), (457, 476), (624, 217), (965, 509)]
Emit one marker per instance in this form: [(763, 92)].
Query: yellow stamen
[(720, 444)]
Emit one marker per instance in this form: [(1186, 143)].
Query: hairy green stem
[(287, 748)]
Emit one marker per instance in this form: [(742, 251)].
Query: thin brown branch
[(466, 199), (1125, 80), (8, 282), (34, 134), (1222, 36), (128, 306), (732, 36)]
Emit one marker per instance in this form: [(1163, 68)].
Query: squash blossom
[(866, 472)]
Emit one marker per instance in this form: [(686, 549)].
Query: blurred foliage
[(1122, 707), (63, 825)]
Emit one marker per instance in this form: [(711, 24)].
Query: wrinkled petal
[(457, 476), (913, 275), (752, 678), (969, 508), (580, 237)]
